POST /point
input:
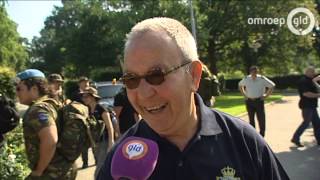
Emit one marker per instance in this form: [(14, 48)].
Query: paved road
[(283, 118)]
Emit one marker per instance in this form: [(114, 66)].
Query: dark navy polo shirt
[(224, 147), (305, 84)]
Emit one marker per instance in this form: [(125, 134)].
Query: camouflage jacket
[(34, 120), (42, 114)]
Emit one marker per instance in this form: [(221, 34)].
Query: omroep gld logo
[(300, 21), (135, 149), (295, 23)]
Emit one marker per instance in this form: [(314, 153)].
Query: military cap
[(30, 73), (92, 91), (83, 78), (55, 77)]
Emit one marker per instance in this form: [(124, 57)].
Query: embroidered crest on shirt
[(228, 174)]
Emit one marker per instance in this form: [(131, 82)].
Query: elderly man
[(162, 74), (308, 104)]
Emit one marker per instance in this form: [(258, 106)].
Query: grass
[(233, 102)]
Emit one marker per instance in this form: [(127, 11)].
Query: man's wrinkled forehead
[(154, 39), (142, 35), (158, 46)]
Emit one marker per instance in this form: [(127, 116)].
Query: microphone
[(134, 159)]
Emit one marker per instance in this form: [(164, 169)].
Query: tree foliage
[(7, 87), (87, 37), (229, 41), (12, 52)]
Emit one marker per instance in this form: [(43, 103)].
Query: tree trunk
[(249, 58), (212, 59)]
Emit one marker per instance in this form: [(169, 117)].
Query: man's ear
[(195, 71), (34, 90)]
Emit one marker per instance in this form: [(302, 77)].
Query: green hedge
[(282, 82), (13, 159), (107, 76), (6, 82), (70, 87)]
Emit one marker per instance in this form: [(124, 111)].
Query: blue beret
[(30, 73)]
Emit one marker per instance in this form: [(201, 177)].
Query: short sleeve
[(41, 118), (268, 83), (242, 82)]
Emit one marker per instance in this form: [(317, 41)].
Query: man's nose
[(145, 90)]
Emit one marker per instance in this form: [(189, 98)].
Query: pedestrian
[(83, 83), (209, 86), (308, 104), (55, 87), (105, 129), (256, 88), (162, 74), (125, 113), (40, 130)]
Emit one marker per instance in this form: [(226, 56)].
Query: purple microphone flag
[(134, 159)]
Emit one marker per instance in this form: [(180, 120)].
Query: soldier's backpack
[(9, 117), (209, 85), (75, 128)]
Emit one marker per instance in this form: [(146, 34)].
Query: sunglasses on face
[(154, 77)]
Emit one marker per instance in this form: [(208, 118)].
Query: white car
[(107, 91)]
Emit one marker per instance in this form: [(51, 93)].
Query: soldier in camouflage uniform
[(55, 87), (40, 129), (208, 87)]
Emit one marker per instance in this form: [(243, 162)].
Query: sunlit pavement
[(282, 119)]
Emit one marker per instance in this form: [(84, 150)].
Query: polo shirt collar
[(209, 124), (258, 76)]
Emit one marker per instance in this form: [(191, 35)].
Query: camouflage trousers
[(60, 173)]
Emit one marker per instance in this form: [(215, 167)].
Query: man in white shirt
[(255, 88)]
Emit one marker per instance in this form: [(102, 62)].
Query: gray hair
[(173, 28), (309, 70)]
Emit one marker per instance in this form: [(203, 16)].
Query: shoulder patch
[(43, 117)]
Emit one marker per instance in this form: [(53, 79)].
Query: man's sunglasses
[(154, 77)]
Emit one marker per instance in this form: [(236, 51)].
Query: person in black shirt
[(125, 113), (308, 104), (105, 129), (162, 74)]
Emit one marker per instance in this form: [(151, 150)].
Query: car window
[(108, 91)]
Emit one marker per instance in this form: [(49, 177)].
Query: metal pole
[(193, 23)]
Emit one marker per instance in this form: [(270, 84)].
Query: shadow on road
[(281, 101), (300, 162)]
